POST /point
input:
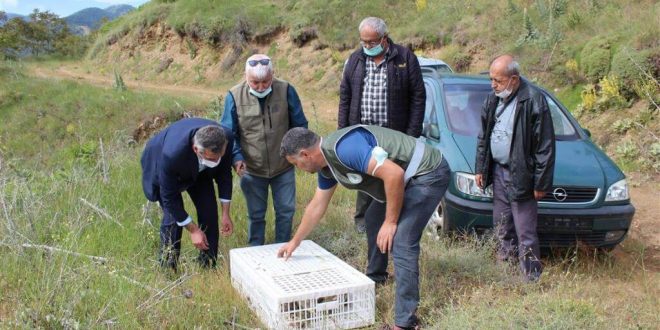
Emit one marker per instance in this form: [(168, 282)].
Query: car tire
[(607, 249), (446, 225)]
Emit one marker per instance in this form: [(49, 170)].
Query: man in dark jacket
[(381, 85), (516, 153), (188, 156)]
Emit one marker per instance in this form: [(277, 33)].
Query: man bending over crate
[(407, 179)]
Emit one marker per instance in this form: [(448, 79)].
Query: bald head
[(506, 65), (504, 74)]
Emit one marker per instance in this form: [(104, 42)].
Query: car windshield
[(463, 104), (463, 107)]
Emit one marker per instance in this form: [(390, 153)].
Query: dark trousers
[(202, 194), (421, 197), (515, 225), (362, 202)]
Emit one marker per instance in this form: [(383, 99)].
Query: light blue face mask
[(263, 94), (374, 51)]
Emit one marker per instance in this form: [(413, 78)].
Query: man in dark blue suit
[(187, 156)]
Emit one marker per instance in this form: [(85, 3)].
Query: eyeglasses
[(263, 61), (371, 44)]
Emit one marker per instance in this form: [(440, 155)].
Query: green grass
[(47, 171), (570, 97)]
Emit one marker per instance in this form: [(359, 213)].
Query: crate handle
[(326, 303)]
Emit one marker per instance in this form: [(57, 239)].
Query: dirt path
[(324, 108), (646, 226), (104, 81)]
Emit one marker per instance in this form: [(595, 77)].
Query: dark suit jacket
[(170, 166)]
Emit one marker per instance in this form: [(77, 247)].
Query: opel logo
[(560, 194)]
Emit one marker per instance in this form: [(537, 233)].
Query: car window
[(463, 104), (430, 127), (563, 127), (442, 68)]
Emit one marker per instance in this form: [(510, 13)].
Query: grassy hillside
[(582, 50), (545, 33), (70, 180)]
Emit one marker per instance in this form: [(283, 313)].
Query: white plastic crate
[(312, 290)]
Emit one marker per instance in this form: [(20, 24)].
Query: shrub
[(655, 150), (595, 59), (647, 88), (623, 125), (119, 82), (589, 98), (627, 150), (530, 34), (605, 95), (629, 66), (572, 70), (192, 49), (611, 90), (454, 55)]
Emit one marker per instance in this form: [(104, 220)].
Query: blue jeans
[(421, 197), (255, 190)]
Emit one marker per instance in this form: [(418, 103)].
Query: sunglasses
[(264, 61)]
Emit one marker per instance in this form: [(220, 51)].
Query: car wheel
[(445, 224), (606, 249), (435, 226)]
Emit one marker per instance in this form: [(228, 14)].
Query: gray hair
[(375, 23), (513, 68), (211, 137), (259, 71), (296, 139)]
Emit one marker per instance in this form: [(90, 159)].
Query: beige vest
[(261, 130)]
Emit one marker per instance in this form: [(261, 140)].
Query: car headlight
[(466, 184), (617, 192)]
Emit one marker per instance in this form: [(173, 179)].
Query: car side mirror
[(587, 131), (431, 131)]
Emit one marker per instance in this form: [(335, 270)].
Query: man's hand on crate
[(287, 249)]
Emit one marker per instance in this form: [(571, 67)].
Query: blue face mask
[(263, 94), (374, 51)]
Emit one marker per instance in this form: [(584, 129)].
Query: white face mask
[(506, 92), (206, 162), (209, 163), (263, 94)]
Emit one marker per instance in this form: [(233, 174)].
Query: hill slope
[(569, 47), (119, 10)]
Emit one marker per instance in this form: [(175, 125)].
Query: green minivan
[(589, 202)]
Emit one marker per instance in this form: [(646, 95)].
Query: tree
[(13, 37), (46, 29), (43, 33)]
